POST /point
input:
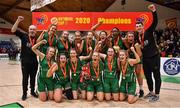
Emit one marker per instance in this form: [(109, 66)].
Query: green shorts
[(95, 86), (45, 82), (128, 87), (62, 84), (77, 85), (111, 85)]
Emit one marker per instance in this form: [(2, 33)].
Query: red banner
[(125, 21)]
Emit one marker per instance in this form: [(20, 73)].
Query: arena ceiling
[(11, 9), (175, 4)]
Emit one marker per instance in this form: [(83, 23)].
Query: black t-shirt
[(27, 55), (150, 49)]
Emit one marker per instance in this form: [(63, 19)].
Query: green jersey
[(130, 74), (75, 69), (86, 47), (62, 75), (44, 67), (110, 68), (63, 46), (97, 72), (118, 42), (50, 42)]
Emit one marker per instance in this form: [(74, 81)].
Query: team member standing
[(50, 36), (78, 43), (129, 42), (29, 64), (46, 62), (127, 76), (63, 44), (88, 42), (117, 41), (151, 56)]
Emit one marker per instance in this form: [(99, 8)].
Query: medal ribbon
[(64, 44)]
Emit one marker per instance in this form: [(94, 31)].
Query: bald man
[(29, 63)]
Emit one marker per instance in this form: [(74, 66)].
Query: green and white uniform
[(75, 76), (110, 84), (118, 43), (84, 52), (128, 83), (95, 83), (61, 80), (45, 46), (61, 47), (43, 80)]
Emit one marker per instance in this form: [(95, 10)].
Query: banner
[(36, 4), (170, 66), (125, 21)]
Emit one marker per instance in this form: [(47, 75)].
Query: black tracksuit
[(151, 57), (29, 63)]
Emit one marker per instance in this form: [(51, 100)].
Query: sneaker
[(149, 95), (34, 94), (24, 97), (141, 93), (154, 98)]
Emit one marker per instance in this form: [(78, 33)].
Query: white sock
[(140, 87)]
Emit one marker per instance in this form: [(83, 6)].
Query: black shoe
[(24, 97), (34, 94), (141, 93), (154, 98), (148, 96)]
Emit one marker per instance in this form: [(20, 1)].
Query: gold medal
[(98, 79), (74, 74), (124, 77)]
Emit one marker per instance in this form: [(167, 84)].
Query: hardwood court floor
[(10, 91)]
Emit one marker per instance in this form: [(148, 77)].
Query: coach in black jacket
[(151, 57), (29, 63)]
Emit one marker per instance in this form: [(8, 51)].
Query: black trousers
[(28, 70), (152, 65)]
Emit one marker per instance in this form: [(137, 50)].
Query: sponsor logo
[(42, 19), (142, 18), (171, 66)]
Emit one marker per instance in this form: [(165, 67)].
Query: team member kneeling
[(45, 64), (127, 76)]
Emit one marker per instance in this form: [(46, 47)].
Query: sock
[(157, 95), (140, 87)]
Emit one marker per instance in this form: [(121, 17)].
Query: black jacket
[(150, 49)]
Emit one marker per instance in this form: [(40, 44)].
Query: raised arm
[(103, 56), (36, 51), (15, 26), (87, 57), (81, 47), (98, 46), (152, 8), (136, 60), (52, 69), (41, 36), (93, 29), (138, 49)]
